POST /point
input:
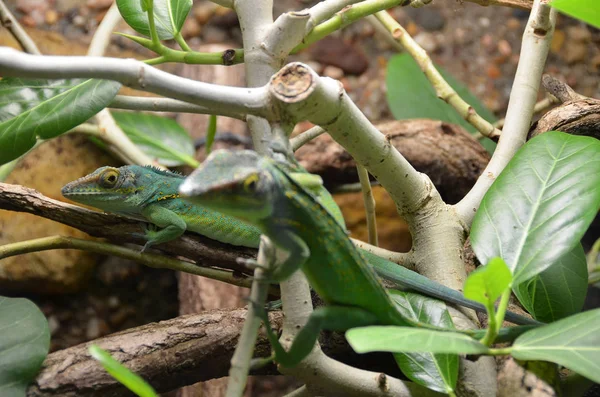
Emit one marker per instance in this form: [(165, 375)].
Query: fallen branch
[(204, 251), (171, 354)]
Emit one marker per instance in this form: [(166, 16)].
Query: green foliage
[(559, 291), (211, 132), (438, 372), (586, 10), (488, 282), (24, 344), (410, 96), (130, 380), (169, 16), (44, 109), (395, 339), (573, 342), (539, 207), (159, 137)]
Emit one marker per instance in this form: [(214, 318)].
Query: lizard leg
[(298, 254), (334, 318), (172, 226)]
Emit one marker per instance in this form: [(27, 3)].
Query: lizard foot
[(258, 363), (251, 264)]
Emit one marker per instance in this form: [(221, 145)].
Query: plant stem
[(499, 352), (502, 306), (492, 329), (181, 41), (305, 137), (8, 21), (150, 260), (369, 201)]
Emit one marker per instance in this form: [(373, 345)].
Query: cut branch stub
[(293, 83)]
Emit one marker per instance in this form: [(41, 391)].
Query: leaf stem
[(492, 328), (181, 41), (499, 352), (502, 306), (151, 24)]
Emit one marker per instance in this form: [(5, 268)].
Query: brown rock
[(99, 4), (575, 52), (557, 41), (51, 17), (334, 51), (47, 168)]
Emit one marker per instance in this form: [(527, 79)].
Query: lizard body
[(259, 191), (151, 194)]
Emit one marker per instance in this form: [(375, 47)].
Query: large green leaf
[(539, 207), (32, 109), (159, 137), (411, 96), (394, 339), (438, 372), (132, 381), (586, 10), (573, 342), (559, 291), (24, 344), (169, 16), (488, 282)]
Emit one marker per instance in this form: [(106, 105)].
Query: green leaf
[(121, 373), (169, 16), (395, 339), (211, 131), (411, 96), (32, 109), (586, 10), (438, 372), (24, 344), (159, 137), (539, 207), (573, 342), (488, 282), (559, 291)]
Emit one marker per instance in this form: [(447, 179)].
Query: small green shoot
[(487, 284), (211, 131), (130, 380)]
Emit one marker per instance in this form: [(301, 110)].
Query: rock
[(579, 33), (427, 41), (191, 28), (429, 18), (51, 17), (333, 72), (203, 11), (334, 51), (575, 52), (47, 168), (504, 48)]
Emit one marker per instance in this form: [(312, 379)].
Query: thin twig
[(148, 259), (157, 104), (298, 141), (369, 200), (8, 20), (443, 90), (540, 106)]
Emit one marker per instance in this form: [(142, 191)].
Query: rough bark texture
[(578, 115), (174, 353), (533, 379), (445, 152), (205, 251)]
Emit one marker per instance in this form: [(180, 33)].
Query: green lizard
[(259, 191), (151, 194)]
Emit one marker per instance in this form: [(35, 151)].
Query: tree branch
[(204, 251), (8, 21), (138, 75), (534, 51), (157, 104)]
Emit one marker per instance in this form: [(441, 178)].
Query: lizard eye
[(109, 178), (250, 183)]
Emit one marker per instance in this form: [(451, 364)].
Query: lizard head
[(236, 183), (108, 188)]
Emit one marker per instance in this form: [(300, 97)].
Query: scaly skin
[(151, 194), (259, 191)]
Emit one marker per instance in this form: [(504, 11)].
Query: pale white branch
[(137, 75), (534, 51)]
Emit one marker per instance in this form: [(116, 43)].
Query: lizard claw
[(250, 263)]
